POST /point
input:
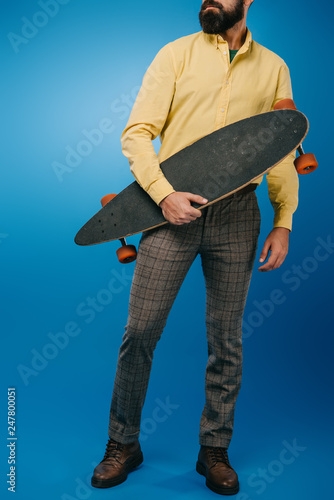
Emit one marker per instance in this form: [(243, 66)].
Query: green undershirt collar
[(233, 53)]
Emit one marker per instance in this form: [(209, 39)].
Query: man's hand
[(278, 244), (177, 208)]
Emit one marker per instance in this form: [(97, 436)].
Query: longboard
[(214, 167)]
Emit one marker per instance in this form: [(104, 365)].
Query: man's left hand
[(277, 243)]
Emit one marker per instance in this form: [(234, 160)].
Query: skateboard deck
[(214, 167)]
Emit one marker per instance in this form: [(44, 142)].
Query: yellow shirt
[(190, 90)]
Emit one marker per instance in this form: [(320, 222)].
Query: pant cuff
[(215, 442), (123, 438)]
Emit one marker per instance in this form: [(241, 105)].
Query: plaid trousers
[(226, 238)]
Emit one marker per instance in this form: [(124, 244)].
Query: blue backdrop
[(70, 67)]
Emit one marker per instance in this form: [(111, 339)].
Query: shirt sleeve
[(146, 121), (282, 180)]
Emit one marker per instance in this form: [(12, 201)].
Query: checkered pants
[(226, 238)]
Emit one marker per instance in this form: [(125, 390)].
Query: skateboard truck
[(305, 163), (126, 253)]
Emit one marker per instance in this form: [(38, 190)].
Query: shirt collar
[(217, 39)]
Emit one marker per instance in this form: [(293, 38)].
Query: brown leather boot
[(118, 461), (213, 463)]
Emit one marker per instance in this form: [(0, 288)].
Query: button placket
[(224, 94), (225, 98)]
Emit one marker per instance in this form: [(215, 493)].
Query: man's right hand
[(177, 208)]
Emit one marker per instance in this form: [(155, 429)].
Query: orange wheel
[(126, 254), (285, 104), (107, 198), (306, 163)]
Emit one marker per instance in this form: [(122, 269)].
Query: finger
[(265, 251), (191, 218), (267, 267), (196, 198), (186, 220), (271, 264), (194, 212), (190, 213), (280, 260)]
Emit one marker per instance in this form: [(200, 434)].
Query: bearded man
[(196, 85)]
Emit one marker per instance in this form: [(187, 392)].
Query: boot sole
[(131, 464), (221, 490)]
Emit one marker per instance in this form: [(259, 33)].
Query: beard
[(218, 21)]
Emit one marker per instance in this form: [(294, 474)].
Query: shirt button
[(222, 110), (225, 53)]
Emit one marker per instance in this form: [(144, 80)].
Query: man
[(194, 86)]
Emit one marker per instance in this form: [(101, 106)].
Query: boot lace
[(219, 455), (113, 451)]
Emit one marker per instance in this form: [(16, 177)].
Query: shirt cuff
[(283, 218), (159, 189)]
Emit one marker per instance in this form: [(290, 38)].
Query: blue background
[(84, 65)]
